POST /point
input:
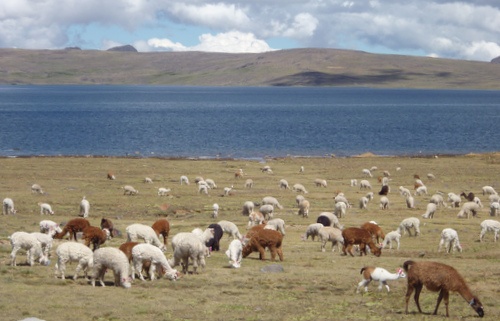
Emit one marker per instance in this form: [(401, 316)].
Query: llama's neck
[(465, 292)]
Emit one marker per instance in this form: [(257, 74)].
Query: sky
[(468, 29)]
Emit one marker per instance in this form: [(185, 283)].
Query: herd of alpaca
[(145, 246)]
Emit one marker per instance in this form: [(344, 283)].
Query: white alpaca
[(249, 183), (304, 207), (488, 190), (364, 184), (148, 180), (84, 208), (184, 180), (468, 209), (255, 218), (284, 184), (49, 227), (430, 210), (36, 189), (384, 203), (8, 207), (215, 212), (393, 236), (449, 239), (230, 229), (454, 199), (129, 190), (234, 253), (188, 246), (494, 208), (438, 200), (73, 252), (367, 172), (276, 224), (45, 241), (312, 231), (45, 209), (162, 191), (320, 182), (110, 258), (489, 226), (332, 234), (29, 243), (340, 209), (211, 183), (421, 190), (272, 201), (248, 208), (147, 252), (404, 191), (408, 224), (267, 210), (410, 201), (354, 182), (140, 231), (378, 274)]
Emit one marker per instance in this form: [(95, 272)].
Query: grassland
[(315, 285), (294, 67)]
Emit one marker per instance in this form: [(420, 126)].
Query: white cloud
[(233, 41), (303, 26), (219, 15)]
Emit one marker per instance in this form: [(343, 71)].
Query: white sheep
[(454, 199), (49, 227), (8, 207), (421, 190), (299, 188), (430, 210), (211, 183), (408, 224), (284, 184), (147, 252), (367, 172), (340, 209), (249, 183), (45, 241), (230, 229), (494, 208), (129, 190), (255, 218), (393, 236), (364, 184), (84, 207), (45, 209), (488, 190), (162, 191), (267, 210), (384, 202), (110, 258), (36, 189), (248, 208), (468, 209), (320, 182), (184, 180), (330, 234), (410, 201), (272, 201), (148, 180), (438, 200), (188, 246), (449, 239), (234, 253), (354, 182), (312, 231), (215, 212), (29, 243), (73, 252), (489, 226), (276, 224), (378, 274), (304, 207), (145, 232), (404, 191)]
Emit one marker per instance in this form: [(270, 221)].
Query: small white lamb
[(234, 253), (378, 274), (8, 207), (45, 209), (145, 232), (73, 252), (113, 259), (147, 252), (449, 239), (84, 208), (29, 243)]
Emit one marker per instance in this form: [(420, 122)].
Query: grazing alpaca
[(96, 236), (265, 238), (354, 235), (378, 274), (470, 197), (107, 224), (374, 230), (438, 277), (384, 190), (72, 227), (162, 227)]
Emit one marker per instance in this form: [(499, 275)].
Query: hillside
[(295, 67)]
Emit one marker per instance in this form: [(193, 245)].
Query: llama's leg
[(272, 249), (440, 297), (364, 283), (409, 291), (418, 289), (446, 300), (385, 284), (280, 253), (262, 252)]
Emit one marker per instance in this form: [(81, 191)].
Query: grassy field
[(315, 285)]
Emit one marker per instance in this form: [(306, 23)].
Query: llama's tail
[(407, 264)]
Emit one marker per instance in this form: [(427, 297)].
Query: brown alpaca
[(438, 277), (384, 190), (127, 249), (238, 174), (354, 235), (162, 227), (72, 227), (111, 176), (374, 230), (95, 235), (470, 197), (254, 230), (107, 224), (262, 239)]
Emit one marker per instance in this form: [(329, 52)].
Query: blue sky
[(468, 29)]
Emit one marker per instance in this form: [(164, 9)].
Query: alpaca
[(438, 277), (378, 274), (162, 227), (72, 227), (353, 236), (265, 238), (374, 230)]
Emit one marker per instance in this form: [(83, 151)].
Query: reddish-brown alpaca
[(162, 227), (354, 235), (438, 277), (374, 230), (72, 227), (262, 239)]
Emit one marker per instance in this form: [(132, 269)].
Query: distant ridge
[(294, 67), (126, 48)]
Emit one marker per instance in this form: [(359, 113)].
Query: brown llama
[(72, 227), (265, 238), (96, 236), (162, 227), (374, 230), (362, 237), (438, 277)]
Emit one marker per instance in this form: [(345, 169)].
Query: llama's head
[(477, 306)]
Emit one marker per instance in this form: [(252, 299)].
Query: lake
[(243, 122)]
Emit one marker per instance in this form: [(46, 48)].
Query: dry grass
[(313, 286)]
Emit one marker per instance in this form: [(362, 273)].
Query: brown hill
[(295, 67)]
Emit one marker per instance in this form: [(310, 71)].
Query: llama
[(136, 231), (29, 243), (438, 277), (147, 252), (378, 274), (96, 236), (72, 227), (265, 238), (374, 230), (162, 227), (353, 236), (332, 234)]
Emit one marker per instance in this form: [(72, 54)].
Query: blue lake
[(242, 122)]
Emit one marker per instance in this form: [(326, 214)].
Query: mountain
[(294, 67)]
